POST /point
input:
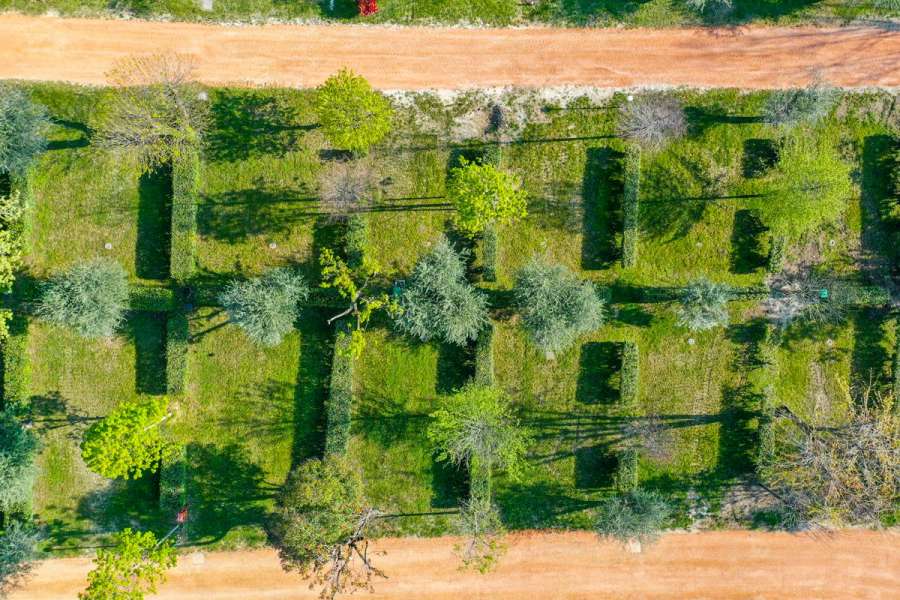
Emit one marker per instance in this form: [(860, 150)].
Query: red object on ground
[(367, 7), (182, 516)]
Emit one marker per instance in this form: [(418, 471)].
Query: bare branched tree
[(346, 187), (482, 527), (653, 120), (350, 567), (651, 436)]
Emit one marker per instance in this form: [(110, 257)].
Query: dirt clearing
[(414, 58), (544, 566)]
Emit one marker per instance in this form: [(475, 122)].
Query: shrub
[(346, 187), (438, 302), (177, 340), (777, 248), (630, 376), (555, 305), (133, 567), (484, 356), (356, 240), (173, 482), (18, 450), (265, 307), (484, 196), (637, 515), (185, 183), (16, 368), (477, 425), (704, 305), (353, 116), (626, 477), (12, 209), (22, 127), (151, 298), (90, 297), (709, 6), (489, 253), (18, 548), (339, 405), (653, 120), (631, 206), (793, 107)]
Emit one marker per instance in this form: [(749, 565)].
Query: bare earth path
[(82, 50), (544, 566)]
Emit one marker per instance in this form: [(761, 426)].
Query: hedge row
[(631, 206), (340, 396), (630, 376), (151, 298), (896, 388), (484, 356), (177, 339), (356, 240), (626, 477), (185, 183), (777, 246), (16, 369), (479, 481), (489, 254), (173, 482)]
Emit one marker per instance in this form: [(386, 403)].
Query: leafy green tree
[(652, 120), (638, 515), (477, 425), (438, 302), (18, 547), (127, 442), (154, 111), (353, 116), (319, 525), (555, 305), (22, 130), (807, 188), (131, 569), (805, 105), (483, 196), (704, 305), (266, 307), (90, 297), (18, 448), (11, 211)]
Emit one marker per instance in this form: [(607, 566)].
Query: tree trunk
[(784, 411)]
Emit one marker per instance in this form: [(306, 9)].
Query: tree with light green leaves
[(127, 442), (23, 126), (266, 307), (353, 116), (639, 515), (11, 211), (91, 298), (484, 195), (18, 450), (704, 305), (134, 567)]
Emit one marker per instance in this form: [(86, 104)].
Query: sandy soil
[(544, 566), (82, 50)]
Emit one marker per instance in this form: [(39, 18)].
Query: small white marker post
[(107, 246), (272, 245), (206, 5)]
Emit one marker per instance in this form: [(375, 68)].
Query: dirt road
[(82, 50), (544, 566)]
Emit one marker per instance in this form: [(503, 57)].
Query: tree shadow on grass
[(124, 503), (702, 118), (598, 375), (758, 157), (870, 362), (747, 254), (311, 389), (738, 432), (538, 505), (154, 224), (602, 200), (234, 216), (879, 200), (50, 411), (148, 332)]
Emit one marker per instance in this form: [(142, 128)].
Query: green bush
[(16, 368), (704, 305), (777, 247), (793, 107), (173, 482), (266, 307), (12, 212), (18, 451), (339, 405), (631, 206), (636, 515), (489, 254), (91, 298), (177, 339), (626, 477), (630, 376), (356, 240), (151, 298), (492, 155), (353, 116), (484, 356), (185, 183), (484, 195), (23, 125)]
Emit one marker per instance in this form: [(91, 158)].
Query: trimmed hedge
[(340, 397), (484, 356), (151, 298), (626, 476), (630, 387), (16, 369), (356, 240), (631, 205), (185, 183), (479, 481), (177, 339), (489, 254), (173, 482), (896, 388), (777, 246)]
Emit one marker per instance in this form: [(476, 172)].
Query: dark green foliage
[(438, 302), (151, 298), (18, 449), (173, 476), (18, 548), (492, 155), (353, 115), (793, 107), (265, 307), (185, 182), (91, 298), (637, 515), (16, 370), (626, 477), (777, 245), (556, 306), (484, 356), (339, 405), (489, 249), (356, 240), (630, 390), (177, 339), (631, 206), (22, 127), (704, 305)]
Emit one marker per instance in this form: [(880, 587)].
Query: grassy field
[(249, 414), (645, 13)]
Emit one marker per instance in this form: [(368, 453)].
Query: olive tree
[(639, 516), (438, 302), (319, 526), (132, 568), (704, 305), (18, 449), (483, 196), (91, 298), (127, 442), (18, 547), (556, 306), (652, 120), (265, 307), (793, 107), (353, 116), (23, 126), (154, 112)]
